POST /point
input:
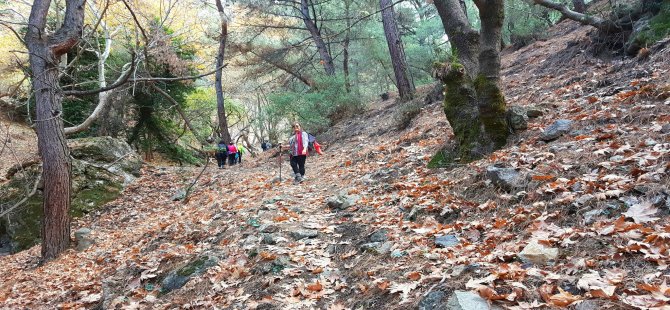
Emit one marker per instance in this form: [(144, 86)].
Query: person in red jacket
[(298, 147), (232, 153)]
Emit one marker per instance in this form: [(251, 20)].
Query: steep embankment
[(593, 204)]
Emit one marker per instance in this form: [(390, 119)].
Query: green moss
[(659, 27), (192, 267), (493, 112), (89, 199)]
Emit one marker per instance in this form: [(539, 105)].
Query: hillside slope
[(593, 204)]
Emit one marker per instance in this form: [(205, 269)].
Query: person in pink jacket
[(298, 144)]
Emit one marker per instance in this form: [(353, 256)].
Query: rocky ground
[(572, 213)]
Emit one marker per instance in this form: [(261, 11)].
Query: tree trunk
[(345, 51), (326, 59), (404, 82), (45, 51), (220, 100), (474, 104)]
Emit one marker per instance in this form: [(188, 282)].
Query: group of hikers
[(229, 151), (299, 145)]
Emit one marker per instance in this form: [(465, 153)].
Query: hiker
[(221, 153), (240, 150), (232, 153), (298, 144)]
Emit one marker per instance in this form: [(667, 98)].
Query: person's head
[(222, 142), (231, 142), (296, 127)]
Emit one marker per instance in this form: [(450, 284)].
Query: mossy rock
[(179, 277), (94, 183)]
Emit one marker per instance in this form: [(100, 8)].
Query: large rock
[(178, 278), (505, 178), (433, 301), (101, 168), (517, 118), (462, 300), (555, 130), (341, 201), (537, 253)]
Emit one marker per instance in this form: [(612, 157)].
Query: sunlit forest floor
[(597, 198)]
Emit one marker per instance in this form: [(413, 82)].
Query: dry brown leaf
[(315, 287), (563, 298), (414, 276)]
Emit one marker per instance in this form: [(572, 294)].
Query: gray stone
[(446, 241), (584, 199), (617, 158), (590, 217), (462, 300), (385, 247), (304, 233), (665, 129), (83, 238), (372, 246), (379, 236), (268, 239), (179, 195), (533, 112), (537, 253), (341, 201), (505, 178), (517, 118), (629, 201), (433, 301), (555, 130), (589, 304), (268, 228), (178, 278)]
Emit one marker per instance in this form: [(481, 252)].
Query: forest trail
[(597, 195)]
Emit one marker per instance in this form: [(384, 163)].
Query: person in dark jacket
[(221, 153)]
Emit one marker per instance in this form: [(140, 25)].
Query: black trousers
[(298, 164), (231, 159), (221, 158)]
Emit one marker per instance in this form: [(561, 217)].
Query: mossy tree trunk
[(474, 104)]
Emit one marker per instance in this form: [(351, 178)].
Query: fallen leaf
[(642, 212)]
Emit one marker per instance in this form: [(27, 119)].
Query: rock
[(629, 201), (446, 241), (433, 301), (650, 142), (505, 178), (533, 112), (555, 130), (385, 247), (178, 278), (379, 236), (665, 129), (249, 242), (590, 217), (584, 199), (537, 253), (83, 238), (179, 195), (372, 246), (517, 118), (101, 168), (462, 300), (268, 228), (304, 233), (268, 239), (589, 304), (341, 201), (641, 188)]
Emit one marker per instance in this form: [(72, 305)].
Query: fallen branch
[(188, 190), (22, 201)]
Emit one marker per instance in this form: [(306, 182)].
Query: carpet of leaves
[(615, 161)]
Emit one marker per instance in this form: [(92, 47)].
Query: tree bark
[(220, 100), (321, 46), (45, 51), (474, 104), (404, 82), (345, 48)]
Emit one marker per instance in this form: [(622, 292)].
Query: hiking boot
[(302, 178)]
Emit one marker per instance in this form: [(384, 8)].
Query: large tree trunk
[(404, 83), (326, 59), (220, 100), (45, 51), (474, 104)]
